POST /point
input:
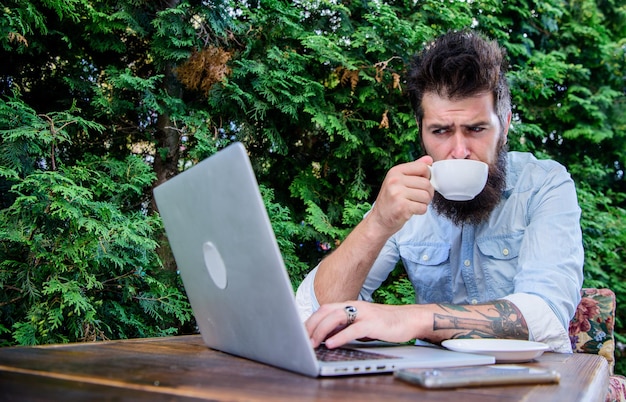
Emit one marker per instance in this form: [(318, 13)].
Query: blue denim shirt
[(531, 243), (529, 251)]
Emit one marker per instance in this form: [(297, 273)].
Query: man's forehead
[(436, 107)]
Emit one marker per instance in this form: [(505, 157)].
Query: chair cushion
[(591, 329), (617, 389)]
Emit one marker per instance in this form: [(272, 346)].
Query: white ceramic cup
[(459, 179)]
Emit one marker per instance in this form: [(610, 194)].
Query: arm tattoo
[(505, 321)]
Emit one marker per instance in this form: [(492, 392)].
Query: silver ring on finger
[(351, 313)]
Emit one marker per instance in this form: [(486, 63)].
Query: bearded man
[(507, 264)]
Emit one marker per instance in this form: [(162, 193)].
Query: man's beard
[(478, 209)]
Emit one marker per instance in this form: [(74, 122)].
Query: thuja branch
[(53, 132)]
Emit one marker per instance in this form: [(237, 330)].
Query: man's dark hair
[(459, 65)]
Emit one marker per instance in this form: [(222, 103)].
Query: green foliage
[(77, 257), (396, 290), (17, 22), (315, 91), (285, 231)]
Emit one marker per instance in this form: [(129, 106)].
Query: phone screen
[(475, 376)]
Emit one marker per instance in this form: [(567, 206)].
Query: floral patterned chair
[(591, 331)]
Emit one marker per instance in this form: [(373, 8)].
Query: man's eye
[(476, 129)]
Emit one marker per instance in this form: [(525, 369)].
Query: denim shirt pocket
[(498, 260), (428, 267)]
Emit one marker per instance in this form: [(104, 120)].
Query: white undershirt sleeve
[(543, 324), (305, 296)]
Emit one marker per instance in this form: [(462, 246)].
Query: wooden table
[(183, 369)]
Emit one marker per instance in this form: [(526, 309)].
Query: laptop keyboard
[(338, 355)]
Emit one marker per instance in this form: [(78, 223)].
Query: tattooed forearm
[(500, 319)]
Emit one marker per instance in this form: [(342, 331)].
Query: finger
[(415, 196), (410, 176), (345, 335), (426, 159), (325, 322), (321, 314), (311, 323), (415, 182), (417, 168)]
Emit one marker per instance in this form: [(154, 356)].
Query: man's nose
[(460, 149)]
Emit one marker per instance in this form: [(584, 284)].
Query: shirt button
[(425, 257), (474, 301), (467, 263), (505, 251)]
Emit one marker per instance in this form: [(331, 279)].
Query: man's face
[(461, 129), (466, 129)]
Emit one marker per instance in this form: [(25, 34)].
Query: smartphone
[(475, 376)]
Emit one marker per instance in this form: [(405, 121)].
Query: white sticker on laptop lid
[(214, 264)]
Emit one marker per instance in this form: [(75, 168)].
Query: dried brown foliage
[(16, 37), (204, 69), (384, 121), (345, 76)]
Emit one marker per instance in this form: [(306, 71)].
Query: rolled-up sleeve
[(543, 324)]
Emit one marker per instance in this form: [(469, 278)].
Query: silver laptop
[(236, 281)]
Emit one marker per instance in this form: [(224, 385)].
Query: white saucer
[(504, 350)]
